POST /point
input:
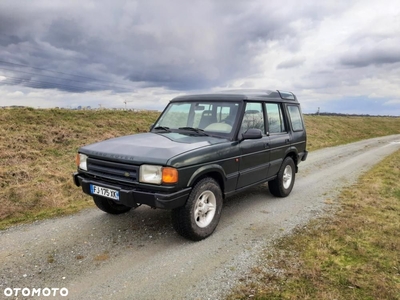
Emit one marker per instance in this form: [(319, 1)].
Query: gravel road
[(139, 256)]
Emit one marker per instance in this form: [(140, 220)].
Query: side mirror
[(252, 134), (151, 127)]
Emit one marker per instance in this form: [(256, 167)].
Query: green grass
[(351, 254), (38, 148)]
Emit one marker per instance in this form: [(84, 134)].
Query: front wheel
[(282, 185), (110, 206), (201, 213)]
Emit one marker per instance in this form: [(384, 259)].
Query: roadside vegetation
[(38, 148), (328, 131), (350, 253), (37, 157)]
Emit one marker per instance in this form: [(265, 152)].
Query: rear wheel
[(110, 206), (282, 185), (201, 213)]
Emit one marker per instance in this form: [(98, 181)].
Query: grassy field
[(37, 157), (327, 131), (352, 253), (38, 148)]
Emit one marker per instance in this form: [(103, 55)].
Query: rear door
[(298, 129), (279, 137)]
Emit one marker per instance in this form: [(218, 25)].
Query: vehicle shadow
[(144, 224)]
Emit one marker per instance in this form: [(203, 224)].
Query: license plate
[(104, 192)]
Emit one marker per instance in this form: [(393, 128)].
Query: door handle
[(287, 141)]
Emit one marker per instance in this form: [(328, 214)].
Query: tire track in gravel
[(139, 256)]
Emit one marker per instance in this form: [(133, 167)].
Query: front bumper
[(133, 197)]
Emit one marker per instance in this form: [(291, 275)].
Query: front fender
[(204, 170)]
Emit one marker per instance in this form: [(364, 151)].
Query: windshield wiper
[(162, 128), (197, 130)]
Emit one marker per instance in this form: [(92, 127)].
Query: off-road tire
[(282, 185), (199, 217)]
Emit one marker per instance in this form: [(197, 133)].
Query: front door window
[(253, 117)]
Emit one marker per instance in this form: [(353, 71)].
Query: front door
[(254, 159)]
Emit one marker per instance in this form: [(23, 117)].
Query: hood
[(151, 148)]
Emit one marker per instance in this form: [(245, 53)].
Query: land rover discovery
[(201, 149)]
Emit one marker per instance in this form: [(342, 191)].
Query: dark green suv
[(202, 149)]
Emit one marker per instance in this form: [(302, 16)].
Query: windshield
[(214, 117)]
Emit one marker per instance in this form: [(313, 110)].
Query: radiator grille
[(113, 171)]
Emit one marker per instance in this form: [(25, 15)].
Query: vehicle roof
[(241, 95)]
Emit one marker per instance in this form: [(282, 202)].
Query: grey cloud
[(6, 40), (292, 63), (179, 45), (367, 57), (368, 48)]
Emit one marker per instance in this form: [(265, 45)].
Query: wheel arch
[(292, 152), (214, 171)]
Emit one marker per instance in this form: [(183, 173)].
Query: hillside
[(38, 148)]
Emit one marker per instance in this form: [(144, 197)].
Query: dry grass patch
[(102, 257), (37, 157), (327, 131), (353, 254)]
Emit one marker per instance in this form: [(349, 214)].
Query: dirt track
[(139, 256)]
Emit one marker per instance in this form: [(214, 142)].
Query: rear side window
[(295, 118), (276, 123)]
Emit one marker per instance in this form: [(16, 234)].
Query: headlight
[(157, 174), (81, 161)]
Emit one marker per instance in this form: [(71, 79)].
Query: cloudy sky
[(341, 56)]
